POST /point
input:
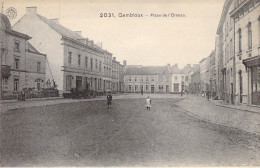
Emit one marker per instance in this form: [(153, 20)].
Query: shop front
[(253, 67)]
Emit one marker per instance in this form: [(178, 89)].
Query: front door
[(152, 89), (78, 81), (232, 94), (167, 88), (240, 87), (176, 87)]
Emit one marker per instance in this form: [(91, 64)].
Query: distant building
[(178, 79), (115, 75), (204, 74), (22, 66), (195, 79), (150, 79)]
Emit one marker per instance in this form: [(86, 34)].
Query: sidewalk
[(245, 118), (244, 107)]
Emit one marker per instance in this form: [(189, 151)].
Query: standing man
[(207, 93), (109, 99)]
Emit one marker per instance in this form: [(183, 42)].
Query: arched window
[(249, 30), (239, 40)]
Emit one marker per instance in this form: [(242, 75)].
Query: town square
[(156, 83)]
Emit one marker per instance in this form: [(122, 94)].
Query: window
[(160, 78), (167, 78), (136, 87), (231, 48), (91, 63), (175, 77), (142, 79), (38, 69), (86, 62), (38, 84), (146, 87), (69, 57), (239, 40), (129, 79), (16, 63), (249, 35), (16, 46), (129, 87), (160, 87), (96, 63), (79, 58), (99, 66), (152, 78), (16, 84), (147, 79), (135, 78), (182, 78), (69, 82)]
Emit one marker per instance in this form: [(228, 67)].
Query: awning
[(252, 61)]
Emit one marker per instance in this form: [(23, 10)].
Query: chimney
[(91, 43), (114, 58), (99, 44), (56, 20), (176, 65), (86, 41), (79, 33), (31, 10), (124, 62), (168, 65)]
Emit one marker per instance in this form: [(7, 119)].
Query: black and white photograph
[(115, 83)]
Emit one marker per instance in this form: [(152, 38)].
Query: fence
[(30, 94)]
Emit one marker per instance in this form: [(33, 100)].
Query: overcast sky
[(145, 40)]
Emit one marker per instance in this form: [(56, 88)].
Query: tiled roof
[(146, 70), (60, 29)]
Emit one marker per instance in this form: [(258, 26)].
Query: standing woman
[(148, 103)]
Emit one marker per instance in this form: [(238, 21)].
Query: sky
[(144, 40)]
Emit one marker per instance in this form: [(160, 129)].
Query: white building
[(74, 61)]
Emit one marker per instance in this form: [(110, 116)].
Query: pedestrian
[(148, 103), (109, 99), (207, 93), (142, 91)]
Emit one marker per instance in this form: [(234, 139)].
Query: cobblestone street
[(86, 133)]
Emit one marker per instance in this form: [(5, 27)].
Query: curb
[(227, 106), (237, 108)]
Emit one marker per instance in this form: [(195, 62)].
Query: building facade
[(22, 66), (150, 79), (75, 61), (247, 50)]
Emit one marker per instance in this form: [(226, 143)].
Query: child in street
[(148, 103)]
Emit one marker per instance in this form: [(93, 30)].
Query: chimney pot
[(124, 62)]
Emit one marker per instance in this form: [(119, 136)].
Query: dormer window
[(16, 46)]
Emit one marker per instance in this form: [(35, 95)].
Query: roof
[(32, 49), (223, 15), (60, 29), (176, 70), (146, 70)]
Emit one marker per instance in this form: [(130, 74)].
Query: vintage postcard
[(114, 83)]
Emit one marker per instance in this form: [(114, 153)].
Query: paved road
[(88, 134)]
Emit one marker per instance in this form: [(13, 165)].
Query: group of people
[(148, 101)]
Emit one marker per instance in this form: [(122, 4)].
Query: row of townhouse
[(22, 66), (232, 70), (74, 61), (239, 52), (153, 79)]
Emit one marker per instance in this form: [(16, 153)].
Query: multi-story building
[(121, 77), (246, 18), (212, 73), (115, 75), (195, 79), (75, 61), (226, 33), (22, 66), (204, 74), (186, 70), (219, 67), (150, 79), (178, 79)]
